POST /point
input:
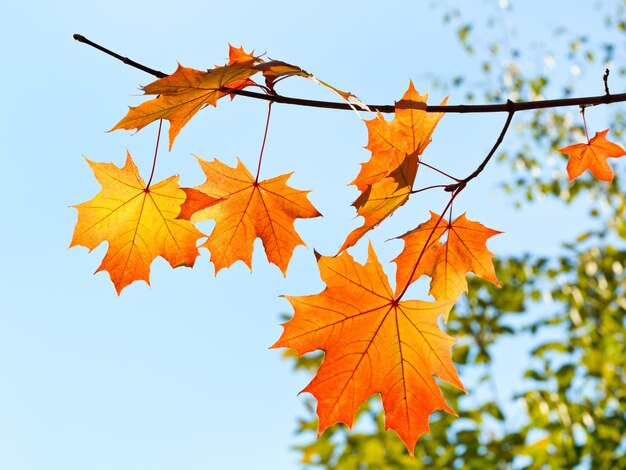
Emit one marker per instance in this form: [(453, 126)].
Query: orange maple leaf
[(447, 263), (373, 343), (237, 55), (393, 141), (592, 156), (244, 209), (386, 180), (139, 223), (382, 198), (182, 94)]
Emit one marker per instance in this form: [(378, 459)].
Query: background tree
[(568, 408)]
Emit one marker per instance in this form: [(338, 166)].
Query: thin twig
[(461, 108), (126, 60)]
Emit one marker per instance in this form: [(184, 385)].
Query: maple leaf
[(392, 141), (386, 180), (237, 55), (420, 253), (182, 94), (244, 209), (447, 263), (274, 70), (592, 156), (139, 223), (373, 343), (382, 198)]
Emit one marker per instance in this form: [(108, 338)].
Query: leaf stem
[(156, 151), (267, 125), (582, 113), (461, 108), (438, 171)]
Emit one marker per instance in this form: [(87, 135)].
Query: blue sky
[(179, 375)]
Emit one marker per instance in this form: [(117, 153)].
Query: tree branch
[(507, 107), (483, 164), (456, 188), (126, 60)]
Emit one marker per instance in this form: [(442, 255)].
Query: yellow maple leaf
[(138, 222)]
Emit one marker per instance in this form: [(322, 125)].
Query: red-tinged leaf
[(373, 343), (195, 201)]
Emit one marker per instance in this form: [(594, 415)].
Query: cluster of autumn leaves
[(374, 340)]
